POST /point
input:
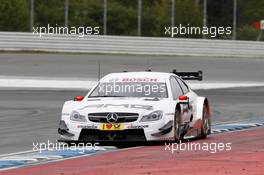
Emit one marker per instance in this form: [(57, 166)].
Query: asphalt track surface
[(28, 115), (86, 66), (245, 158)]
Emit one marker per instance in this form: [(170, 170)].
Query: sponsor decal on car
[(133, 79), (112, 126), (137, 126), (139, 80), (135, 106), (87, 126)]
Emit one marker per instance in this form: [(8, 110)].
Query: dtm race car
[(137, 106)]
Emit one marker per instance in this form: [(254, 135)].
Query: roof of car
[(160, 76)]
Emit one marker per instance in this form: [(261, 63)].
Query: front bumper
[(64, 130), (136, 131), (98, 135)]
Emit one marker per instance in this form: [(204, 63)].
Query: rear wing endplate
[(189, 75)]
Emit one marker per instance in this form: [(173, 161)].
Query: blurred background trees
[(122, 15), (14, 15)]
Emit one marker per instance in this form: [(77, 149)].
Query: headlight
[(75, 116), (156, 115)]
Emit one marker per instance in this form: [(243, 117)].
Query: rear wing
[(189, 75)]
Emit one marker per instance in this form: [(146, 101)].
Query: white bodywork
[(141, 105)]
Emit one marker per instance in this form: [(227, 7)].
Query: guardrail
[(14, 41)]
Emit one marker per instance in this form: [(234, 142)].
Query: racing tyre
[(177, 126), (206, 124)]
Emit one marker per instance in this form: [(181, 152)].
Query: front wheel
[(206, 124), (177, 126)]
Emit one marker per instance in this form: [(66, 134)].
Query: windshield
[(130, 89)]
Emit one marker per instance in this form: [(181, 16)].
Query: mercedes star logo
[(112, 118)]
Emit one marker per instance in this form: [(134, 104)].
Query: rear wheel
[(177, 125), (206, 124)]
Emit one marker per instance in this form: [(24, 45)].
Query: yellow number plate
[(112, 126)]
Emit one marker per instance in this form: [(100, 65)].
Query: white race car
[(137, 106)]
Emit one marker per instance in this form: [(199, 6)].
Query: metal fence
[(13, 41)]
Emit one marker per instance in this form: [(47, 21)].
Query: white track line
[(77, 83), (44, 82), (17, 153), (61, 159)]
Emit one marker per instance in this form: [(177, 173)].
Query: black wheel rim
[(177, 127), (206, 121)]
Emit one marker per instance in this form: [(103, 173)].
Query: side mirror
[(78, 98), (183, 98)]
